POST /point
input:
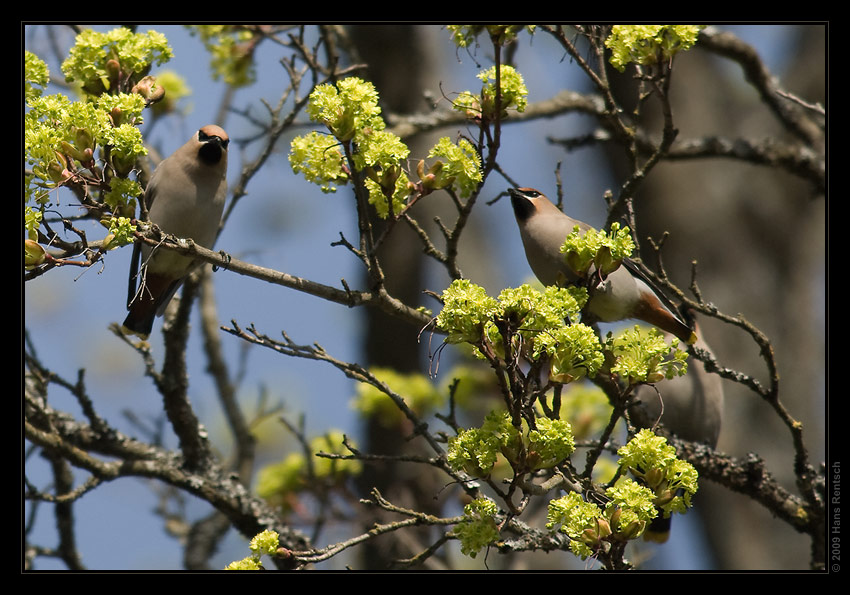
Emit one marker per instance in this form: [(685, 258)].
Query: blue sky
[(286, 224)]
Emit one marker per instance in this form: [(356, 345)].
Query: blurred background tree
[(741, 191)]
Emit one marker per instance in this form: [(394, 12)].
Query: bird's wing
[(668, 303)]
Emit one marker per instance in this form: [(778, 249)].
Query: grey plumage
[(691, 406), (625, 293), (185, 197)]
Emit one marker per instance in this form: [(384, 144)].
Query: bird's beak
[(523, 207)]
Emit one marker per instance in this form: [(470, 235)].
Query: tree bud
[(34, 254)]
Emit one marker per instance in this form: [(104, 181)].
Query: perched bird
[(689, 406), (185, 198), (625, 293)]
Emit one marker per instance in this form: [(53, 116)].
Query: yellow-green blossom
[(319, 158), (550, 444), (56, 129), (533, 311), (127, 145), (32, 220), (648, 44), (266, 542), (466, 310), (100, 60), (63, 138), (476, 450), (399, 192), (460, 166), (514, 94), (123, 108), (655, 464), (630, 505), (348, 107), (122, 194), (351, 114), (479, 528), (36, 76), (229, 46), (121, 233), (380, 155), (574, 352), (418, 391), (605, 251), (539, 323), (582, 521), (642, 356), (249, 563), (279, 482), (464, 35), (330, 468), (630, 508), (176, 88)]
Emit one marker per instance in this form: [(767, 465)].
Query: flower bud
[(565, 377), (603, 527), (34, 254), (58, 170), (615, 517), (72, 151), (113, 69), (115, 115), (632, 530), (84, 139), (663, 497), (590, 537), (652, 377), (577, 262), (605, 262), (149, 89), (654, 477)]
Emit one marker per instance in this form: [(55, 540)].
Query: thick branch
[(790, 114), (77, 444), (378, 298)]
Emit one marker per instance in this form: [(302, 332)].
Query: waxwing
[(185, 198), (625, 293)]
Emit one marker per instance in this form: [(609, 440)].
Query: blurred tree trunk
[(758, 237), (398, 57)]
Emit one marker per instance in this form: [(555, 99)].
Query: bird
[(625, 293), (690, 406), (184, 197)]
